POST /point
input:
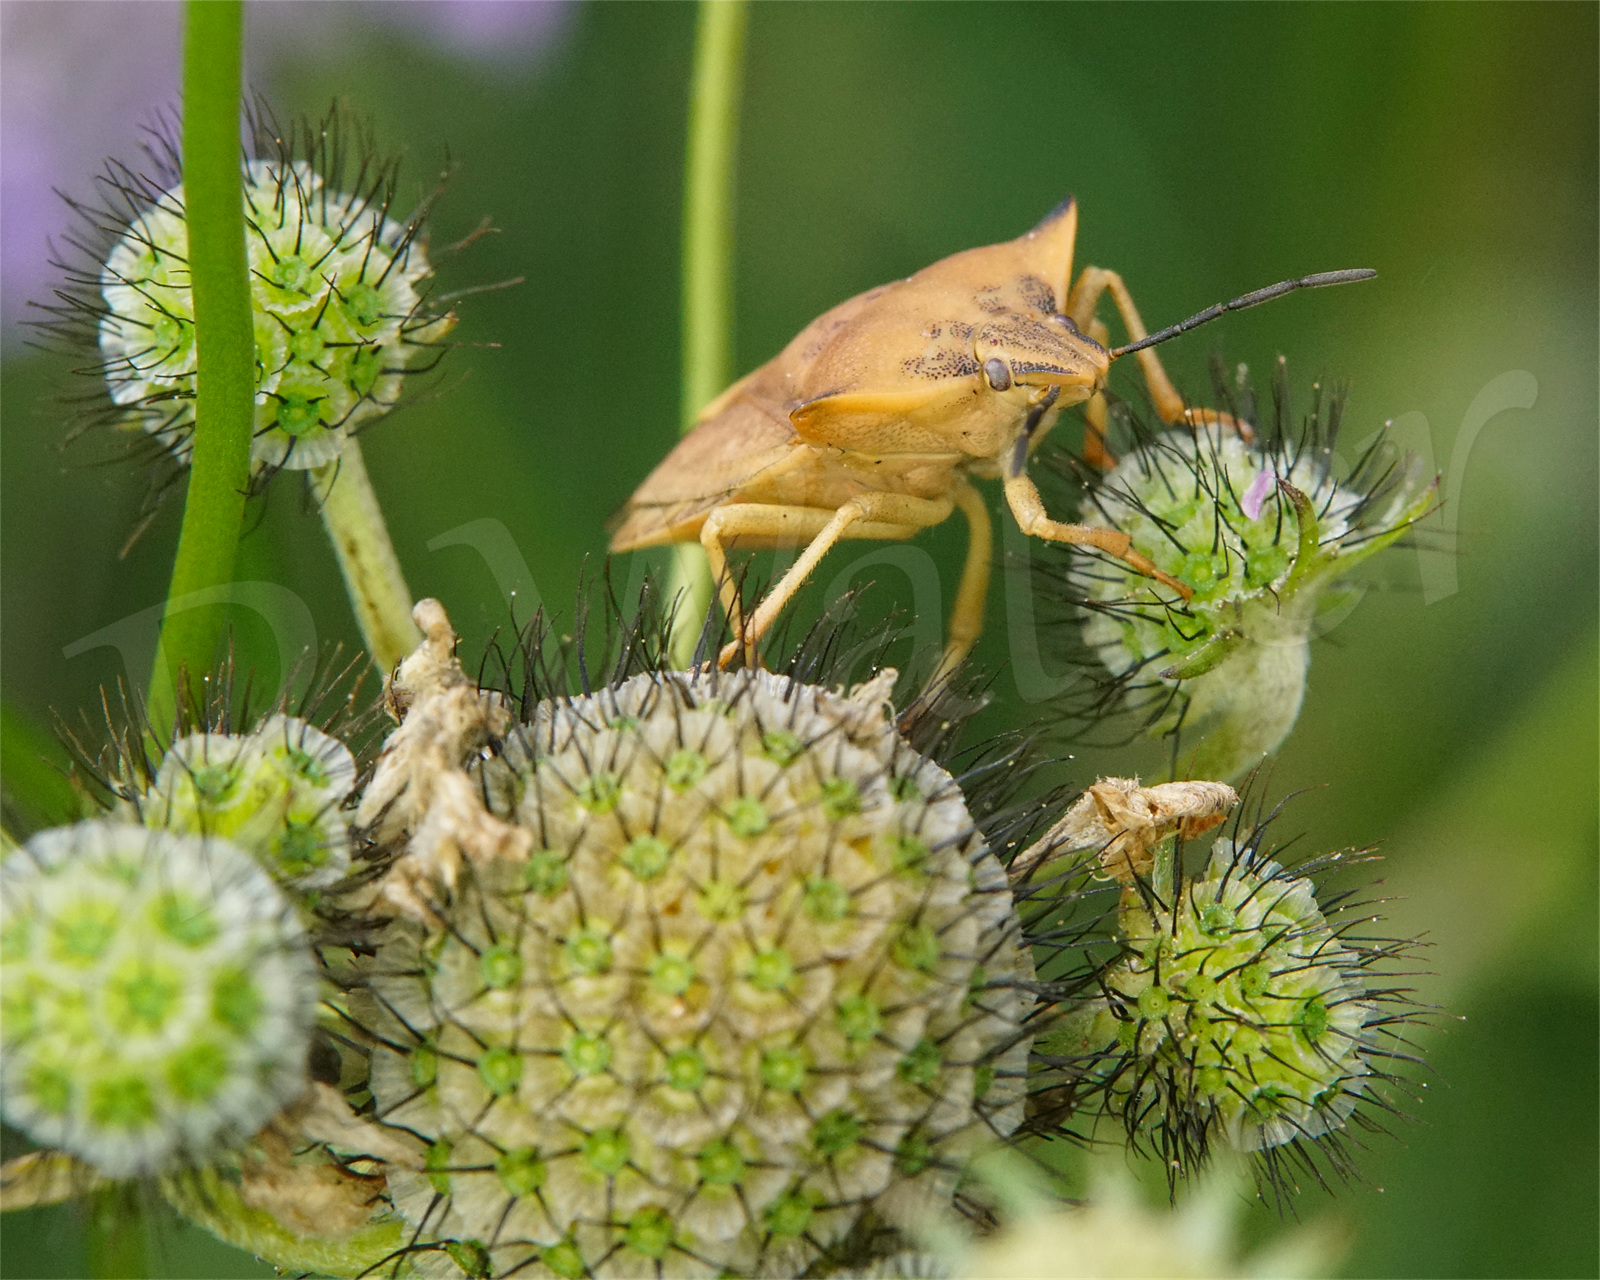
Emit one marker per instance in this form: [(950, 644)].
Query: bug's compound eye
[(998, 372)]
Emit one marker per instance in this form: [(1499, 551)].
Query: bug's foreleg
[(966, 616), (1023, 498), (1081, 304)]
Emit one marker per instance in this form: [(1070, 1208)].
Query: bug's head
[(1022, 355)]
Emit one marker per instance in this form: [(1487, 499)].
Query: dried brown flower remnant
[(421, 797), (1126, 821)]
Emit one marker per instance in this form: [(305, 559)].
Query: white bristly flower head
[(339, 291), (742, 971), (336, 309), (158, 993), (1237, 1015)]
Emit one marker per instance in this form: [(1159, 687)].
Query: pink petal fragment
[(1256, 494)]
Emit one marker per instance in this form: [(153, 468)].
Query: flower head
[(735, 967), (1238, 1012), (336, 287), (158, 994), (275, 792), (1257, 530)]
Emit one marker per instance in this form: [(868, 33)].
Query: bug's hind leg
[(870, 515), (1025, 503), (1081, 304)]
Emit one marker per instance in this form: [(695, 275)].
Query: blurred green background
[(1213, 149)]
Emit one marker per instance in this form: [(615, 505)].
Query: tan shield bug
[(874, 421)]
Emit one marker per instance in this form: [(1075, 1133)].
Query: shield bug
[(874, 421)]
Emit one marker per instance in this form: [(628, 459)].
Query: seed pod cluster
[(756, 975), (157, 995)]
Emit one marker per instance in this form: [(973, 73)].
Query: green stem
[(707, 268), (219, 470), (371, 569), (117, 1241)]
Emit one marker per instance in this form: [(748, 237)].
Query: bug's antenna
[(1249, 300)]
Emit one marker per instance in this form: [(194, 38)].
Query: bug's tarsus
[(1248, 300)]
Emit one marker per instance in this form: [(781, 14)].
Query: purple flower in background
[(505, 31), (78, 78), (73, 78)]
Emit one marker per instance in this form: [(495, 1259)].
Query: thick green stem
[(117, 1240), (707, 268), (225, 379), (372, 576)]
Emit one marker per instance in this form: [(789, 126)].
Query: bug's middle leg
[(966, 615), (1023, 498), (1081, 304), (1095, 452)]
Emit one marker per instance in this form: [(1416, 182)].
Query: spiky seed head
[(275, 792), (1236, 1016), (336, 312), (158, 995), (1256, 532), (765, 978)]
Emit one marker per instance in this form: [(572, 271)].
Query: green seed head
[(784, 1070), (771, 970), (826, 901), (1259, 1029), (671, 975), (922, 1065), (520, 1171), (158, 995), (600, 793), (1256, 532), (686, 1069), (565, 1260), (685, 768), (858, 1017), (789, 1214), (721, 1164), (606, 1151), (722, 900), (546, 873), (586, 1055), (835, 1132), (649, 1232), (746, 817), (275, 792), (646, 856), (781, 746), (500, 1069), (840, 798), (589, 951), (501, 967)]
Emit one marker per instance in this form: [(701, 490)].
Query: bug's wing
[(725, 452)]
